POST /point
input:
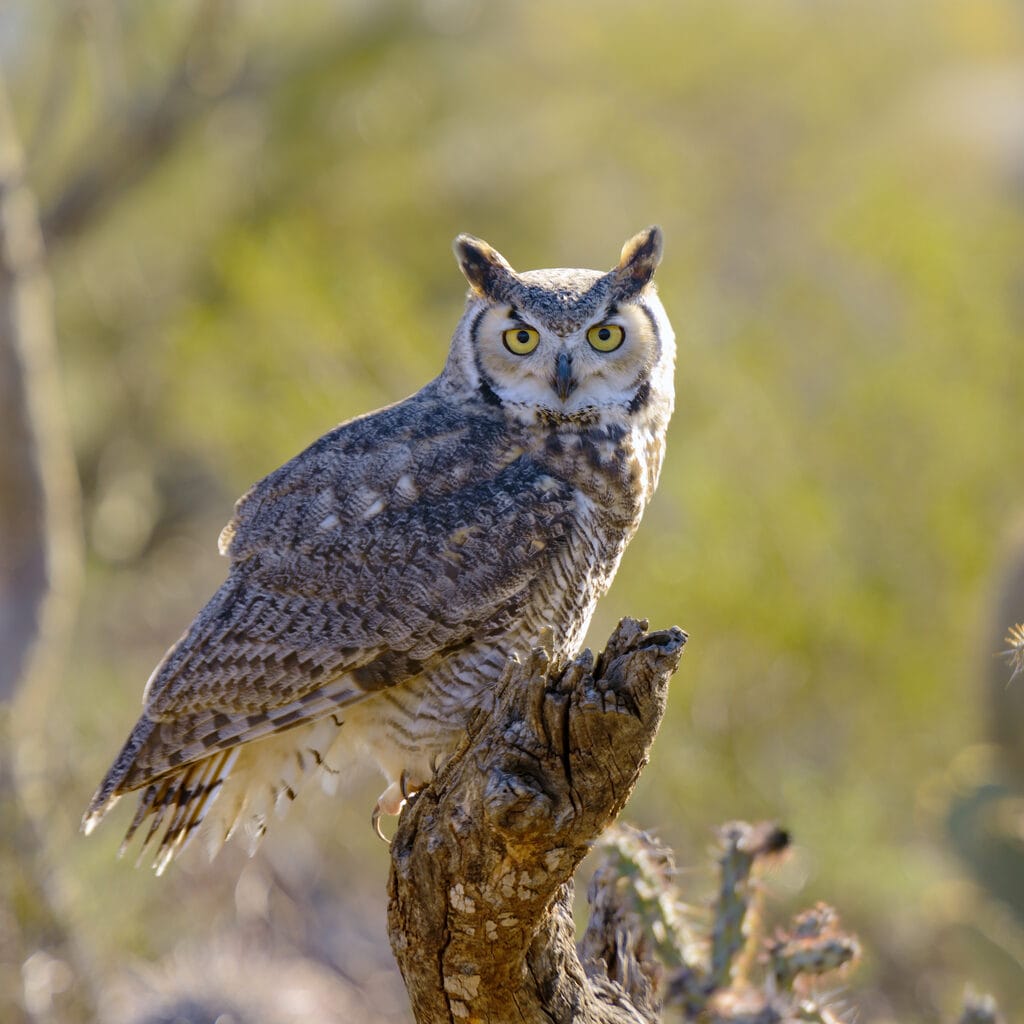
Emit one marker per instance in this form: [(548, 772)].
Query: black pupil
[(604, 334), (523, 337)]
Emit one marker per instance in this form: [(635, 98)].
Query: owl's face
[(564, 344)]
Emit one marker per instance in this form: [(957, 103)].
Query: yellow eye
[(606, 337), (521, 341)]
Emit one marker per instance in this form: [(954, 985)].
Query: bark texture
[(480, 911)]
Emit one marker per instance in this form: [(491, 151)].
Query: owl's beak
[(565, 383)]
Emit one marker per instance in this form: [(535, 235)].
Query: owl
[(380, 580)]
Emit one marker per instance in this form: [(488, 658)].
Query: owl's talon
[(375, 822), (410, 790)]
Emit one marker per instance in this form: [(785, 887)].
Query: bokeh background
[(248, 209)]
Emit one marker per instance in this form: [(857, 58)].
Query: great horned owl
[(380, 579)]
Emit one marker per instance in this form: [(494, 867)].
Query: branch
[(136, 143), (149, 133), (39, 577), (40, 558), (480, 911), (24, 321)]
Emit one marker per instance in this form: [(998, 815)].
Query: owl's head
[(564, 344)]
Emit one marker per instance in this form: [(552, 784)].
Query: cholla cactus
[(814, 944), (643, 871), (736, 917), (1015, 652), (980, 1009), (714, 964)]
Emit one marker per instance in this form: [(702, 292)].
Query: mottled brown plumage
[(380, 579)]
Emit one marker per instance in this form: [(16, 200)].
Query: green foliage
[(839, 190)]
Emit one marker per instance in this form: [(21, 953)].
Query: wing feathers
[(352, 571)]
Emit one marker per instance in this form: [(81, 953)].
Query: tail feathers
[(180, 766), (110, 790), (233, 788), (181, 801), (268, 779)]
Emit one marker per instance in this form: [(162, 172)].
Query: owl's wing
[(344, 583)]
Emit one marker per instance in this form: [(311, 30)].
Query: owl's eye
[(521, 341), (606, 337)]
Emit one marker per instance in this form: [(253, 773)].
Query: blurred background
[(247, 210)]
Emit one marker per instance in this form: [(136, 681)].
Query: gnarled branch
[(480, 910)]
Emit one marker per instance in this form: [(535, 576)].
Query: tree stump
[(480, 912)]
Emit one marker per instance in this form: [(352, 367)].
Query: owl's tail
[(186, 797), (113, 785), (232, 788)]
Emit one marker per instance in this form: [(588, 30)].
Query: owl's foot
[(392, 800)]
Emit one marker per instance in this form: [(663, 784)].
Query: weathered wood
[(480, 911)]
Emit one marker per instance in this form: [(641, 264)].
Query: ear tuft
[(486, 270), (639, 259)]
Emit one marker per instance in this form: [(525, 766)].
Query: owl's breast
[(612, 471), (613, 467), (549, 516)]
